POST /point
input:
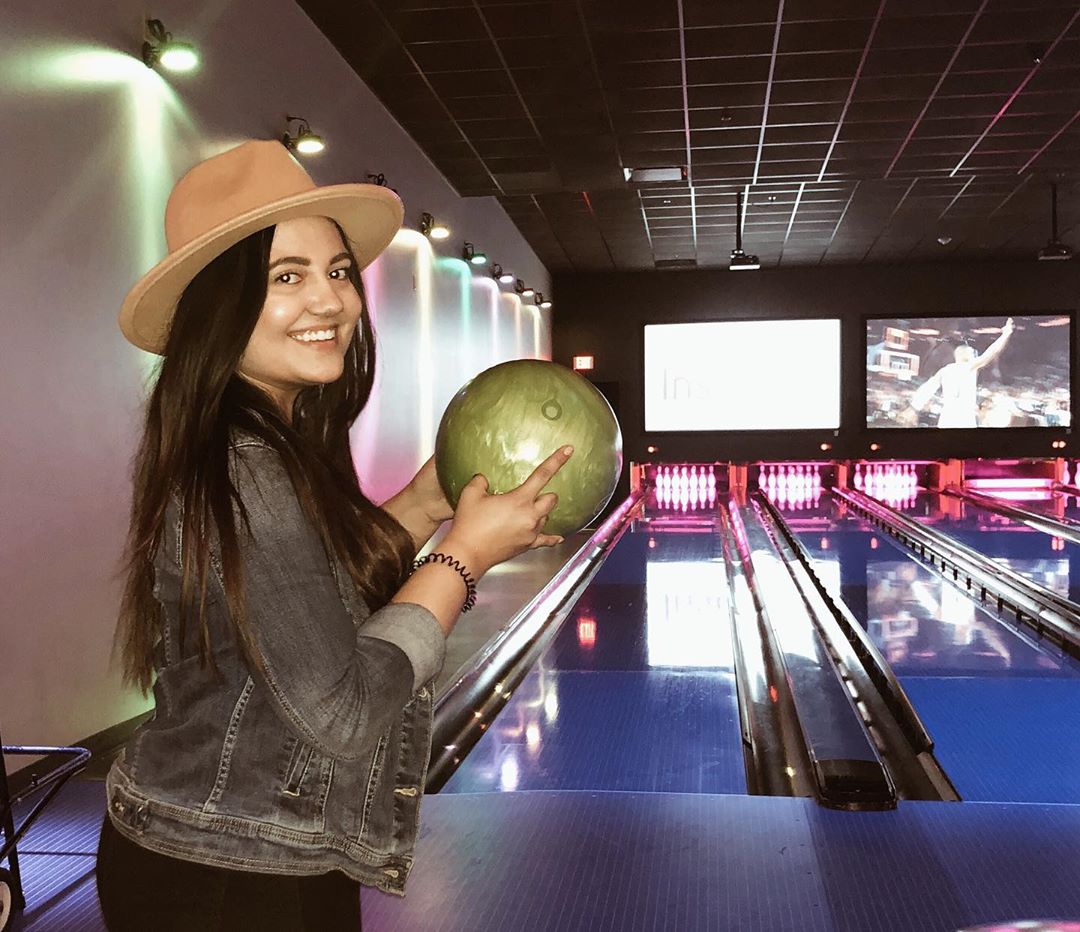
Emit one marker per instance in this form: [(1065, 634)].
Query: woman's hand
[(420, 507), (428, 494), (489, 529)]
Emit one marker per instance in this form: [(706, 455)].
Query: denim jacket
[(320, 762)]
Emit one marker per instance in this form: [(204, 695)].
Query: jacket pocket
[(373, 782), (297, 769)]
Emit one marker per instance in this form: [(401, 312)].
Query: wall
[(604, 314), (97, 141)]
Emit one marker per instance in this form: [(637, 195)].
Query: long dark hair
[(196, 403)]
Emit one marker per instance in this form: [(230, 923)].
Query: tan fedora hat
[(229, 196)]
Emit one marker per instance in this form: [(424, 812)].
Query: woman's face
[(310, 313)]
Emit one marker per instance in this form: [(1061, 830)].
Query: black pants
[(142, 890)]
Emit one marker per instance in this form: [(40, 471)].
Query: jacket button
[(117, 806)]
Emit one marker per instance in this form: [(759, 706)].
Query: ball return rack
[(47, 783)]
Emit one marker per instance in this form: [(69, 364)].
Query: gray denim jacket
[(319, 764)]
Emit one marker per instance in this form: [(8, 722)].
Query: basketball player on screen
[(957, 382)]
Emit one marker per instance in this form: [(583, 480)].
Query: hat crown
[(224, 187)]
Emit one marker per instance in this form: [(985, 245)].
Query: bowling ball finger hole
[(551, 409)]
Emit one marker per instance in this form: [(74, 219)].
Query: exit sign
[(582, 362)]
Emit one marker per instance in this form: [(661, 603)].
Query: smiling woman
[(312, 308), (289, 639)]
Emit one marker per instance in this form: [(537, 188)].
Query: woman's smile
[(325, 339)]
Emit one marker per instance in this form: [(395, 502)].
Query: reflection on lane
[(1058, 505), (683, 602), (1042, 558), (923, 624)]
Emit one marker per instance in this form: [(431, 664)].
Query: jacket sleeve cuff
[(415, 631)]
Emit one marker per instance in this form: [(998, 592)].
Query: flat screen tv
[(966, 372), (742, 375)]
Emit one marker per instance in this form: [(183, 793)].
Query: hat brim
[(370, 216)]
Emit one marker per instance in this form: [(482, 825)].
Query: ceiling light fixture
[(470, 254), (541, 301), (431, 229), (524, 290), (159, 46), (645, 175), (305, 141), (1054, 249), (740, 261)]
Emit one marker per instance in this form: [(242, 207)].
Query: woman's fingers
[(543, 473), (477, 486), (546, 540), (546, 503)]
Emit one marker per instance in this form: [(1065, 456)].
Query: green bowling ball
[(511, 417)]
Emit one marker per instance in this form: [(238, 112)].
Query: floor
[(630, 862)]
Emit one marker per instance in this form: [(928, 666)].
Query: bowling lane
[(637, 690), (1060, 506), (1050, 561), (1000, 706)]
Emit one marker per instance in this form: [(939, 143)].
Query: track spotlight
[(305, 141), (499, 275), (380, 180), (541, 301), (431, 229), (471, 254), (160, 46), (522, 289)]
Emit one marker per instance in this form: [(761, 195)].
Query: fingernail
[(567, 451)]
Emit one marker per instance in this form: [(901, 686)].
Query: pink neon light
[(1022, 495), (1011, 483)]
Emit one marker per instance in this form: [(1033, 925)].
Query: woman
[(268, 603)]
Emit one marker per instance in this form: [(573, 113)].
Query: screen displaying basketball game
[(957, 372), (742, 375)]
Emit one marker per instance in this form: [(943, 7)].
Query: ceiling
[(857, 130)]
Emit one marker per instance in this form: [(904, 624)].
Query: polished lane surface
[(1052, 562), (1061, 506), (637, 690), (1000, 705)]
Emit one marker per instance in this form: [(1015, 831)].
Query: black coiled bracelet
[(445, 558)]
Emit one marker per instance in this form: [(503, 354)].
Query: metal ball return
[(48, 782)]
